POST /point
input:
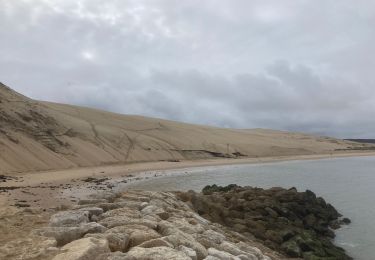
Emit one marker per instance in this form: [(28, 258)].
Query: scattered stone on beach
[(8, 188), (5, 178), (296, 223)]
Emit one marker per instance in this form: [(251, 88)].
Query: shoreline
[(124, 170), (60, 188)]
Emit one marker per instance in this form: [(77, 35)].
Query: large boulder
[(157, 242), (139, 236), (222, 255), (137, 233), (64, 235), (189, 252), (155, 210), (236, 251), (116, 241), (83, 249), (187, 240), (210, 238), (121, 220), (155, 253), (93, 211), (91, 201), (70, 218)]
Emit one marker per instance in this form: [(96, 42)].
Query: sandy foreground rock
[(140, 225)]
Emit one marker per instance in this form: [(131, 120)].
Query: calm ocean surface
[(347, 183)]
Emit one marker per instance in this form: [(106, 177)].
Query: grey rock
[(91, 201), (64, 235), (83, 249), (210, 257), (157, 242), (221, 254), (155, 253), (70, 218), (188, 251), (116, 241), (93, 211)]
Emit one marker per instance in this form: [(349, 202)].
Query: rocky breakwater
[(298, 224), (143, 225)]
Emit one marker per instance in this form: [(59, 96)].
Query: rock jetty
[(143, 225), (298, 224), (219, 223)]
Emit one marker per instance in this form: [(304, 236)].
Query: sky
[(293, 65)]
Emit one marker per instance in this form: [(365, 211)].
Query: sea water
[(347, 183)]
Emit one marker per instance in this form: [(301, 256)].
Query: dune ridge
[(37, 135)]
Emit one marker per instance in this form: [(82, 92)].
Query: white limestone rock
[(221, 254), (70, 218), (188, 251), (83, 249), (155, 253)]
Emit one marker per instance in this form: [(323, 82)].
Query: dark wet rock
[(291, 248), (5, 178), (296, 223), (22, 205), (214, 188), (8, 188)]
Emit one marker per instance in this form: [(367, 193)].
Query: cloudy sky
[(297, 65)]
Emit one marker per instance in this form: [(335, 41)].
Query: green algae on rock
[(298, 224)]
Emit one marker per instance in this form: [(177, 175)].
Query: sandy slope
[(37, 136)]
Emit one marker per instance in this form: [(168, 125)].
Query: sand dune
[(37, 136)]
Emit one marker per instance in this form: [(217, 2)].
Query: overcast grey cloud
[(293, 65)]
